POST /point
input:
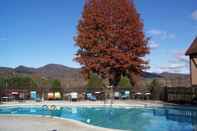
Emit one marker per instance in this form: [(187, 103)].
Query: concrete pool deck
[(28, 123), (123, 103)]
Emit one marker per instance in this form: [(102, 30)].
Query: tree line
[(95, 82), (29, 83)]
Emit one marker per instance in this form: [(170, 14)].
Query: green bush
[(124, 83), (56, 85), (94, 82), (156, 89), (17, 82)]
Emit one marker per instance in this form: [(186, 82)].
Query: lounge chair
[(38, 99), (21, 97), (67, 96), (117, 95), (33, 95), (138, 95), (57, 95), (4, 98), (147, 95), (50, 96), (91, 97), (125, 95), (74, 96)]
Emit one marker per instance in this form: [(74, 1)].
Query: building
[(192, 53)]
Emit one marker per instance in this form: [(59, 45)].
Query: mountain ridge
[(71, 77), (22, 68)]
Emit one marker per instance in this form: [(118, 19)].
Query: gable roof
[(193, 48)]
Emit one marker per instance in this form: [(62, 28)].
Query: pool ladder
[(49, 107)]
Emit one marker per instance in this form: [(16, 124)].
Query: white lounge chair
[(57, 95), (74, 96), (147, 95), (117, 95), (138, 95)]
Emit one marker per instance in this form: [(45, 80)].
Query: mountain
[(5, 71), (173, 75), (71, 78), (55, 70), (150, 75), (176, 79), (24, 69)]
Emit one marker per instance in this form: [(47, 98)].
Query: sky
[(38, 32)]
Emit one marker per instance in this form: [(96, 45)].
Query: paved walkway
[(13, 123)]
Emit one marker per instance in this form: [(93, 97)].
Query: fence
[(180, 94)]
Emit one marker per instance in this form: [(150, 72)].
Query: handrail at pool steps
[(49, 107), (45, 107)]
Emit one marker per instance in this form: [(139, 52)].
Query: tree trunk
[(105, 86), (105, 95)]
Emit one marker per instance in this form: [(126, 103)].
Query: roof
[(193, 48)]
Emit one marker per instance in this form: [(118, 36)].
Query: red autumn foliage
[(111, 40)]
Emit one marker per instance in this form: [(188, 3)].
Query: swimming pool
[(133, 118)]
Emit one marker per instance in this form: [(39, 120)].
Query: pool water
[(135, 119)]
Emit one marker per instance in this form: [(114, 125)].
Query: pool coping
[(148, 105)]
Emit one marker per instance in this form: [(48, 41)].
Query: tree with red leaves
[(111, 40)]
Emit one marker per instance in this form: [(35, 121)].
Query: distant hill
[(72, 79), (150, 75), (24, 69)]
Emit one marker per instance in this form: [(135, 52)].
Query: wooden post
[(112, 94)]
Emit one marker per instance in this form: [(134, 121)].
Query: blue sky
[(38, 32)]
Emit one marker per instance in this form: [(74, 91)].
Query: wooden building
[(192, 53)]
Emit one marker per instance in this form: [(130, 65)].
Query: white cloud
[(154, 32), (162, 34), (180, 56), (153, 44), (178, 63), (170, 67), (176, 66), (173, 68), (194, 15)]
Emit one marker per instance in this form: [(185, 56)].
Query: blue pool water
[(135, 119)]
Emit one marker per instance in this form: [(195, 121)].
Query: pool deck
[(36, 123), (27, 123), (121, 103)]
